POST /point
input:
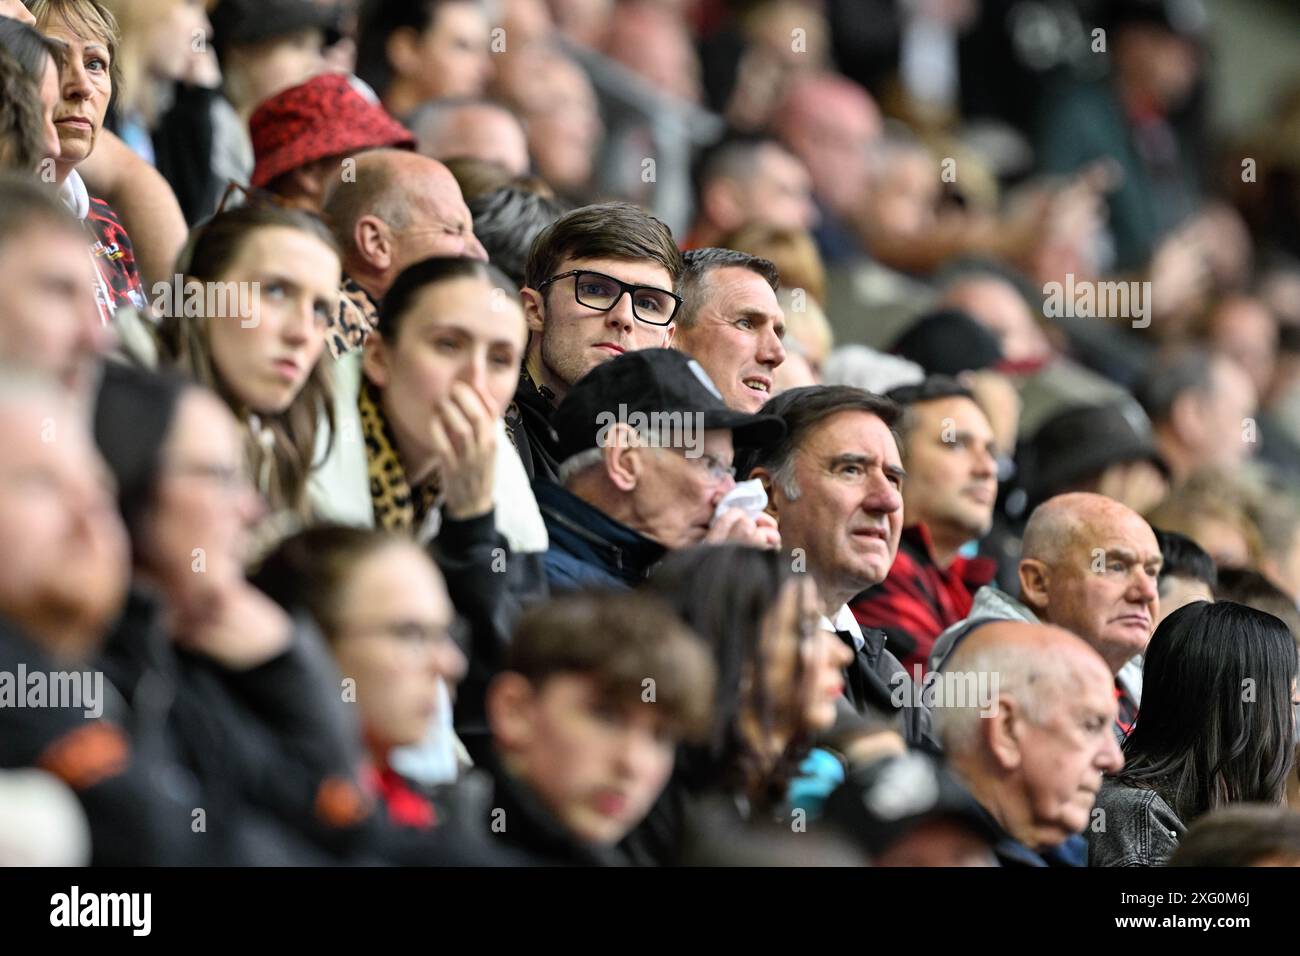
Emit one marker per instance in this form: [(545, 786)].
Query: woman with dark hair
[(250, 322), (779, 677), (1216, 728), (212, 673)]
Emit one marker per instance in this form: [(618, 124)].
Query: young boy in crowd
[(598, 691)]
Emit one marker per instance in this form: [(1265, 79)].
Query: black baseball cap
[(239, 22), (645, 383), (1079, 442), (881, 803)]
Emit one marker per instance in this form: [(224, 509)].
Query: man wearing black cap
[(645, 448)]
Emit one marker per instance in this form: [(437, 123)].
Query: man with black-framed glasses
[(600, 281)]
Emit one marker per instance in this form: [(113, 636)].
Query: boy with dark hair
[(600, 281), (1188, 573), (598, 691)]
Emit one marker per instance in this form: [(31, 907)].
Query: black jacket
[(524, 826), (528, 420), (258, 750), (878, 686), (138, 805), (490, 587)]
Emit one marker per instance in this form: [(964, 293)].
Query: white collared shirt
[(845, 621)]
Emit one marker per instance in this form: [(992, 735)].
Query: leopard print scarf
[(398, 507)]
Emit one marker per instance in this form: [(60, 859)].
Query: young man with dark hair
[(600, 281), (732, 324), (949, 451), (585, 728), (1188, 573)]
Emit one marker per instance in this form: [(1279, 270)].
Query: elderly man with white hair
[(1032, 751)]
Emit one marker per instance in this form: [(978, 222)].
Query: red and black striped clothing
[(918, 599)]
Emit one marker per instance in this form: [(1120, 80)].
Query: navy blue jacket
[(588, 547)]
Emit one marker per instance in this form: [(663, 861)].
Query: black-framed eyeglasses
[(598, 291)]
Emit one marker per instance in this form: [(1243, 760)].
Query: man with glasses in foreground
[(645, 449), (600, 281)]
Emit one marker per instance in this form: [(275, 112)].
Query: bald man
[(401, 208), (1090, 565), (1032, 755)]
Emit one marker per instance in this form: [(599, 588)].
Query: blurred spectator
[(303, 137), (1213, 510), (1195, 748), (264, 47), (22, 134), (33, 96), (947, 342), (1277, 517), (749, 181), (1090, 565), (1132, 117), (578, 759), (779, 681), (48, 321), (398, 209), (861, 367), (1242, 328), (201, 659), (626, 493), (795, 256), (63, 579), (1036, 782), (1201, 406), (947, 448), (834, 485), (507, 220), (909, 811), (552, 96), (164, 43), (471, 128), (412, 52), (730, 322), (1106, 449), (383, 608), (1256, 591), (1187, 574), (250, 323), (653, 43), (829, 123), (580, 270), (1241, 836)]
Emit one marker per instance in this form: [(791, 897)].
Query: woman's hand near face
[(241, 629), (464, 438)]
